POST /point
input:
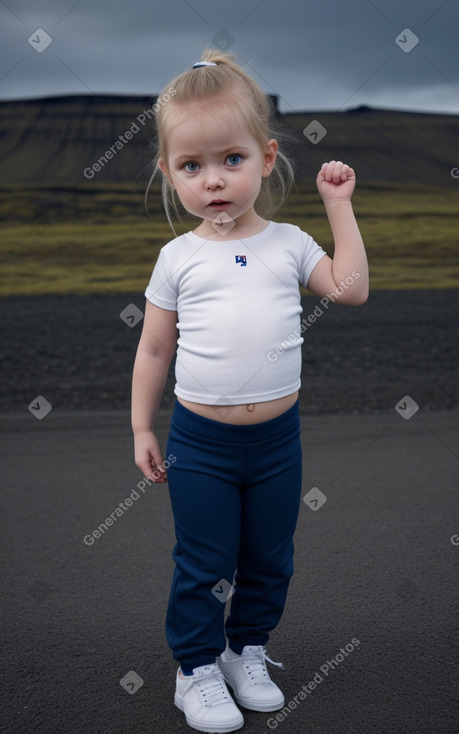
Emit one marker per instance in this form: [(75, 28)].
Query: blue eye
[(234, 159), (191, 167)]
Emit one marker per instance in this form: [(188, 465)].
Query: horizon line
[(154, 97)]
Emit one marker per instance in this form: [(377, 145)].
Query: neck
[(231, 230)]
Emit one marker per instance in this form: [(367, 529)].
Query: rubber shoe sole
[(273, 705), (209, 728)]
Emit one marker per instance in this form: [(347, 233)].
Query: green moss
[(99, 238)]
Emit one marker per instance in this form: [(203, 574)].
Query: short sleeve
[(311, 253), (161, 290)]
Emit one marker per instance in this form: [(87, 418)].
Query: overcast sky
[(315, 54)]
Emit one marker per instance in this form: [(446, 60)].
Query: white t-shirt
[(237, 301)]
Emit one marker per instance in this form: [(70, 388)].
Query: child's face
[(215, 164)]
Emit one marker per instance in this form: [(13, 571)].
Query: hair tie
[(204, 63)]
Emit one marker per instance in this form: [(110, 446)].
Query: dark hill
[(384, 145), (55, 140)]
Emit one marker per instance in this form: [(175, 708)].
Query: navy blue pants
[(235, 493)]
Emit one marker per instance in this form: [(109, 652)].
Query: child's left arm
[(346, 275)]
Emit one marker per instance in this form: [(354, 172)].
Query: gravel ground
[(377, 562), (78, 353)]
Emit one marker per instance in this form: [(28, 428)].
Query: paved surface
[(78, 352), (376, 563)]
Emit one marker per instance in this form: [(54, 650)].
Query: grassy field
[(99, 238)]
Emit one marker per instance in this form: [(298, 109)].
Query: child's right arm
[(154, 355)]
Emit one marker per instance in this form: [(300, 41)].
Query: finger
[(321, 174), (157, 480), (151, 469), (345, 172), (350, 172), (157, 470), (147, 470), (158, 463), (155, 475), (328, 171), (337, 171)]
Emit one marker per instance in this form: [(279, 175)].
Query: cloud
[(318, 55)]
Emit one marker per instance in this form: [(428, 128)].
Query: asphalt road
[(375, 564), (78, 353)]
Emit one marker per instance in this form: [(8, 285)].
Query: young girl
[(230, 291)]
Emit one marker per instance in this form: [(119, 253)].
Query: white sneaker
[(249, 679), (206, 701)]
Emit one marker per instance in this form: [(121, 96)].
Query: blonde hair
[(255, 111)]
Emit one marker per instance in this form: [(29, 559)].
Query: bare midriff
[(244, 413)]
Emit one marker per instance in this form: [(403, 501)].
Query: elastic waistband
[(231, 433)]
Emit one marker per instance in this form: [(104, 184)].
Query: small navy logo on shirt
[(242, 259)]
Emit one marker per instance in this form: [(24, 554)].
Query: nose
[(214, 178)]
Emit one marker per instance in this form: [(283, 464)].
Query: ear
[(165, 170), (270, 157)]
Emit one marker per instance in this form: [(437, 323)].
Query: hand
[(148, 456), (335, 181)]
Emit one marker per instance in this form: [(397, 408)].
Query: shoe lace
[(212, 687), (255, 663)]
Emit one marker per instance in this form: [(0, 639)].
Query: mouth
[(218, 203)]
